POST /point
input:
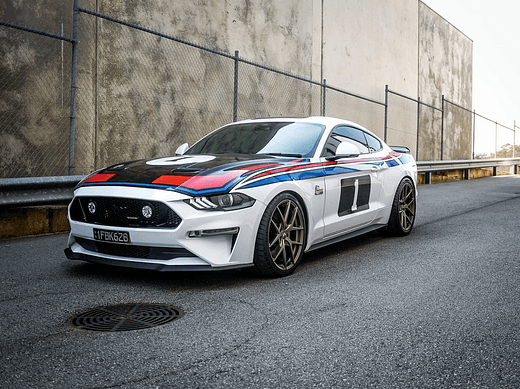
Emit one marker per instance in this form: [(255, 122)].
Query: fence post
[(442, 130), (496, 137), (418, 127), (235, 90), (473, 134), (386, 113), (514, 139), (73, 86), (324, 92)]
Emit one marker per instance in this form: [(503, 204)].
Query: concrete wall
[(34, 89), (445, 68), (370, 44), (141, 95)]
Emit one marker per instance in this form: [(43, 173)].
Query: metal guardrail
[(31, 191), (22, 192), (428, 167)]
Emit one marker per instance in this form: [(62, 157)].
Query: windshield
[(272, 138)]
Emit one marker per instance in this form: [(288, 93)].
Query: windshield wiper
[(283, 155)]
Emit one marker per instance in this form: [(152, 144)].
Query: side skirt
[(346, 236)]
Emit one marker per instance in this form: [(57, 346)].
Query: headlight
[(225, 202)]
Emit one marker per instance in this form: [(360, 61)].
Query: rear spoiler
[(400, 149)]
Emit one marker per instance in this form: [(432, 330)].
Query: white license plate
[(112, 236)]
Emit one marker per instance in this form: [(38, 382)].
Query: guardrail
[(22, 192), (429, 167)]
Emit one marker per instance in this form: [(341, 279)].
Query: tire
[(281, 237), (402, 215)]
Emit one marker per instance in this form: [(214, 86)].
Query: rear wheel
[(402, 216), (281, 237)]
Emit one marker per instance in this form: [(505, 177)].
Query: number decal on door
[(355, 195)]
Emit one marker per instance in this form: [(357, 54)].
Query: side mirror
[(182, 149), (345, 150)]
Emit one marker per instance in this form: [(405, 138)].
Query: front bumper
[(189, 246)]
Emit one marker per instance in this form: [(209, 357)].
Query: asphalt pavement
[(437, 309)]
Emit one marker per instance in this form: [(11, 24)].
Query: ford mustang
[(255, 193)]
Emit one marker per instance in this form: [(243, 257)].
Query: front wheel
[(402, 216), (281, 237)]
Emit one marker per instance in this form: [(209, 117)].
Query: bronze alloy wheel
[(281, 237), (286, 234), (402, 215), (407, 206)]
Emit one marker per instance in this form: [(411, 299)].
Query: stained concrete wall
[(445, 68), (34, 89), (369, 44), (141, 95)]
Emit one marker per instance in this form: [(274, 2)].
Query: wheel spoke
[(286, 234), (406, 207), (275, 240), (275, 256), (287, 211), (284, 251)]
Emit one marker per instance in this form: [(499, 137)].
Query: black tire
[(281, 237), (402, 216)]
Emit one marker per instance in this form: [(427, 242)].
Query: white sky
[(494, 27)]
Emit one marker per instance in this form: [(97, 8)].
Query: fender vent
[(125, 317)]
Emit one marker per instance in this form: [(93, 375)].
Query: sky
[(494, 28)]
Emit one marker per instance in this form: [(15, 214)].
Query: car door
[(352, 185)]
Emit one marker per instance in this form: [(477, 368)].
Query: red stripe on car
[(98, 177)]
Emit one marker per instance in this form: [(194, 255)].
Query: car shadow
[(212, 280)]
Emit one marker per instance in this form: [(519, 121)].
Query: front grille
[(131, 251), (122, 212)]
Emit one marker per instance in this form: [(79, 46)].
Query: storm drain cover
[(125, 317)]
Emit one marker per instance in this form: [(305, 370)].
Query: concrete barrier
[(26, 221)]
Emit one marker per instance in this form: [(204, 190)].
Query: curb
[(17, 222)]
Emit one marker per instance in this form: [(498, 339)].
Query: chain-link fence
[(457, 143), (402, 120), (35, 76), (141, 93), (366, 112)]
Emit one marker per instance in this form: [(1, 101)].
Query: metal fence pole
[(73, 86), (235, 90), (473, 134), (386, 113), (324, 93), (418, 127), (514, 139), (442, 130), (496, 137)]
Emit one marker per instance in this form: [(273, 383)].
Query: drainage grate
[(125, 317)]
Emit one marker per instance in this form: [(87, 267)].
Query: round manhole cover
[(125, 317)]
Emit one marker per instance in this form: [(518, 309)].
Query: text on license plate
[(112, 236)]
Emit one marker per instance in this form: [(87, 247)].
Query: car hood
[(188, 174)]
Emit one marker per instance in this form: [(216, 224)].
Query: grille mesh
[(131, 251), (122, 212)]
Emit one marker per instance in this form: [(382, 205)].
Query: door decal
[(355, 195)]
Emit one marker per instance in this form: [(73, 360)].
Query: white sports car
[(255, 193)]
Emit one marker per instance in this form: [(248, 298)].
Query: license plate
[(112, 236)]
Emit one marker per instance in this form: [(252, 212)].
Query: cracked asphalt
[(437, 309)]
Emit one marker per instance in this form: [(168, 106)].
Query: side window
[(373, 143), (345, 134)]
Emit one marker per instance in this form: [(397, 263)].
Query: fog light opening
[(214, 232)]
